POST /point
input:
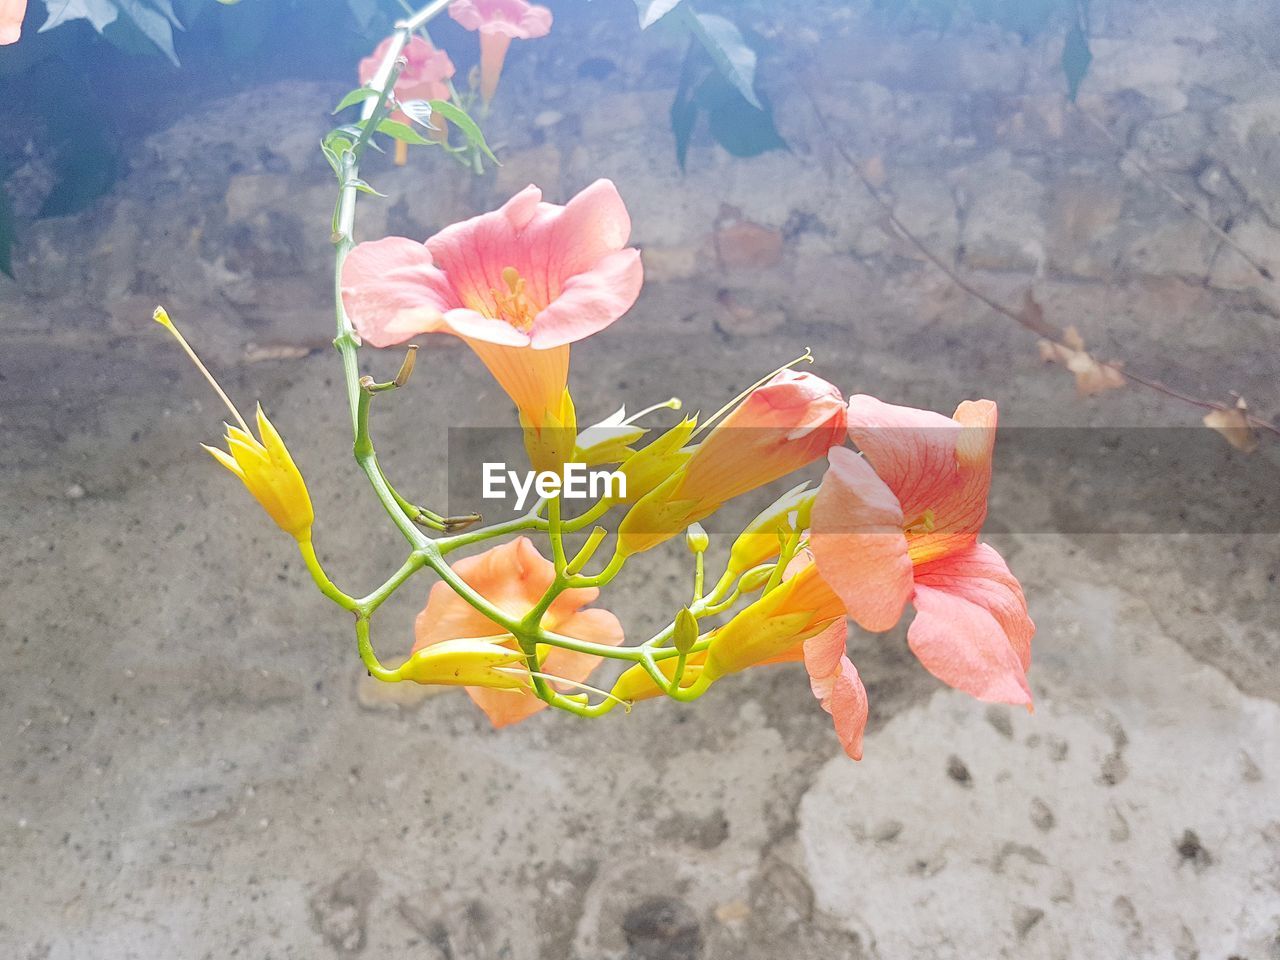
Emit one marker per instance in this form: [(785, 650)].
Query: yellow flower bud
[(263, 465), (755, 578), (650, 466), (759, 542), (466, 663), (800, 607), (685, 634), (696, 539), (268, 471), (656, 518), (550, 443), (635, 684)]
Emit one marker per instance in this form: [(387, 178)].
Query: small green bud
[(755, 578), (686, 631)]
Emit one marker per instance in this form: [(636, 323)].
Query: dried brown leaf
[(1092, 377), (1234, 426)]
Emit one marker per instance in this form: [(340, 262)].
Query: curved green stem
[(327, 586), (371, 662)]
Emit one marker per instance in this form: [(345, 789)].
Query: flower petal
[(981, 576), (11, 14), (590, 301), (835, 682), (535, 380), (513, 18), (936, 466), (392, 291), (971, 629), (858, 543), (474, 252)]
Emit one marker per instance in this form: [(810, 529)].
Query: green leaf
[(402, 132), (364, 187), (100, 13), (462, 120), (1076, 57), (728, 49), (153, 24), (740, 128), (166, 7), (419, 111), (358, 95), (651, 11), (684, 109)]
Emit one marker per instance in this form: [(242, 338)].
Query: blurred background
[(192, 762)]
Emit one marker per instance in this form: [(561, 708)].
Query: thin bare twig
[(1031, 316), (1178, 198)]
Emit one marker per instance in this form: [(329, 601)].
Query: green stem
[(322, 580), (371, 662), (366, 605), (530, 521), (555, 532), (613, 568)]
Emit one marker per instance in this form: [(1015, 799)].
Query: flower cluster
[(894, 521)]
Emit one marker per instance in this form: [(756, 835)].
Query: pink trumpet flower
[(499, 22), (780, 427), (513, 577), (900, 523), (519, 285)]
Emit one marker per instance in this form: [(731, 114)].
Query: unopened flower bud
[(760, 542), (685, 634), (696, 539), (755, 579)]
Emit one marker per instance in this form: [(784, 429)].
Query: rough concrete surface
[(192, 763)]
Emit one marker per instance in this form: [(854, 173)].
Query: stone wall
[(223, 216)]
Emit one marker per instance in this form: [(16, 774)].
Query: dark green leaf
[(403, 132), (153, 25), (460, 119), (358, 95), (1076, 57), (684, 109), (728, 49), (736, 125)]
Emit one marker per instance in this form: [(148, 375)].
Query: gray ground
[(192, 764)]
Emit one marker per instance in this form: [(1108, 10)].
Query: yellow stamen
[(925, 523), (161, 317), (514, 306)]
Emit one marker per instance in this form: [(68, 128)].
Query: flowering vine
[(517, 624)]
